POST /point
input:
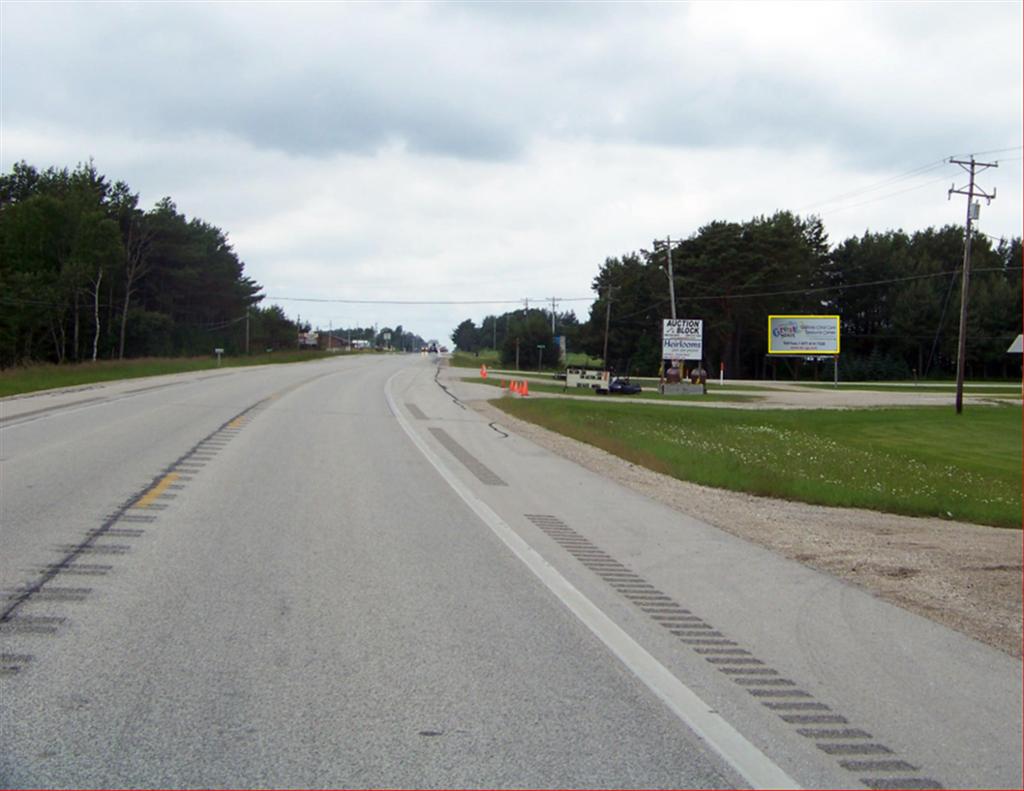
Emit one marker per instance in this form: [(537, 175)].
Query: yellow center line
[(147, 499), (238, 422)]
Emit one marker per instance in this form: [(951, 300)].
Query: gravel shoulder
[(965, 576)]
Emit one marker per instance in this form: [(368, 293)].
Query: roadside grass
[(974, 388), (492, 359), (33, 378), (922, 461), (488, 357), (496, 380)]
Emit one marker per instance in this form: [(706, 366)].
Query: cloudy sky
[(472, 152)]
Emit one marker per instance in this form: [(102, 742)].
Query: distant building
[(329, 342)]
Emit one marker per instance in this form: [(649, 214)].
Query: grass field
[(30, 379), (496, 380), (974, 388), (492, 359), (923, 461)]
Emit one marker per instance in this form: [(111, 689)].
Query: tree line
[(397, 338), (525, 336), (87, 274), (897, 293)]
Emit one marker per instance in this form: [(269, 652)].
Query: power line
[(990, 151), (7, 300), (910, 174), (845, 286), (865, 284), (884, 197), (913, 173), (428, 301)]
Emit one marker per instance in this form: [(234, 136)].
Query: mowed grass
[(559, 388), (974, 388), (33, 378), (924, 461), (492, 359)]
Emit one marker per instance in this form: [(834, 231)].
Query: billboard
[(803, 335), (682, 339)]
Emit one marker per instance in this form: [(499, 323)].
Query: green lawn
[(496, 380), (32, 378), (474, 360), (974, 388), (493, 360), (923, 461)]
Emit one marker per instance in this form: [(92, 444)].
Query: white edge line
[(753, 765)]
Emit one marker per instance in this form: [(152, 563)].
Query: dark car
[(623, 387)]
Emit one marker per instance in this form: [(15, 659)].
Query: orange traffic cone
[(483, 371), (526, 389)]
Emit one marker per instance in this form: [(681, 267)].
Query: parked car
[(623, 386)]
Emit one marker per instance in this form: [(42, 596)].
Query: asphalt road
[(336, 574)]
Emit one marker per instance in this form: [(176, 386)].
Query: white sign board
[(581, 377), (682, 339), (803, 335)]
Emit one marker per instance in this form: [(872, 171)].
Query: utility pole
[(668, 271), (554, 304), (607, 321), (973, 211), (248, 311)]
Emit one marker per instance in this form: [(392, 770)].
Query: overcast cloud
[(497, 151)]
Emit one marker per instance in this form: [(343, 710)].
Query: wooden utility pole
[(973, 208), (607, 321), (671, 278)]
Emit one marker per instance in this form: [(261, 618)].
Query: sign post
[(805, 336)]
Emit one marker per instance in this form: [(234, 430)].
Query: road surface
[(334, 574)]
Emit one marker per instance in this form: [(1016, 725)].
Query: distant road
[(335, 574)]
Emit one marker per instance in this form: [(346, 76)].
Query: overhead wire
[(839, 287), (426, 301), (990, 151), (913, 173), (884, 197)]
